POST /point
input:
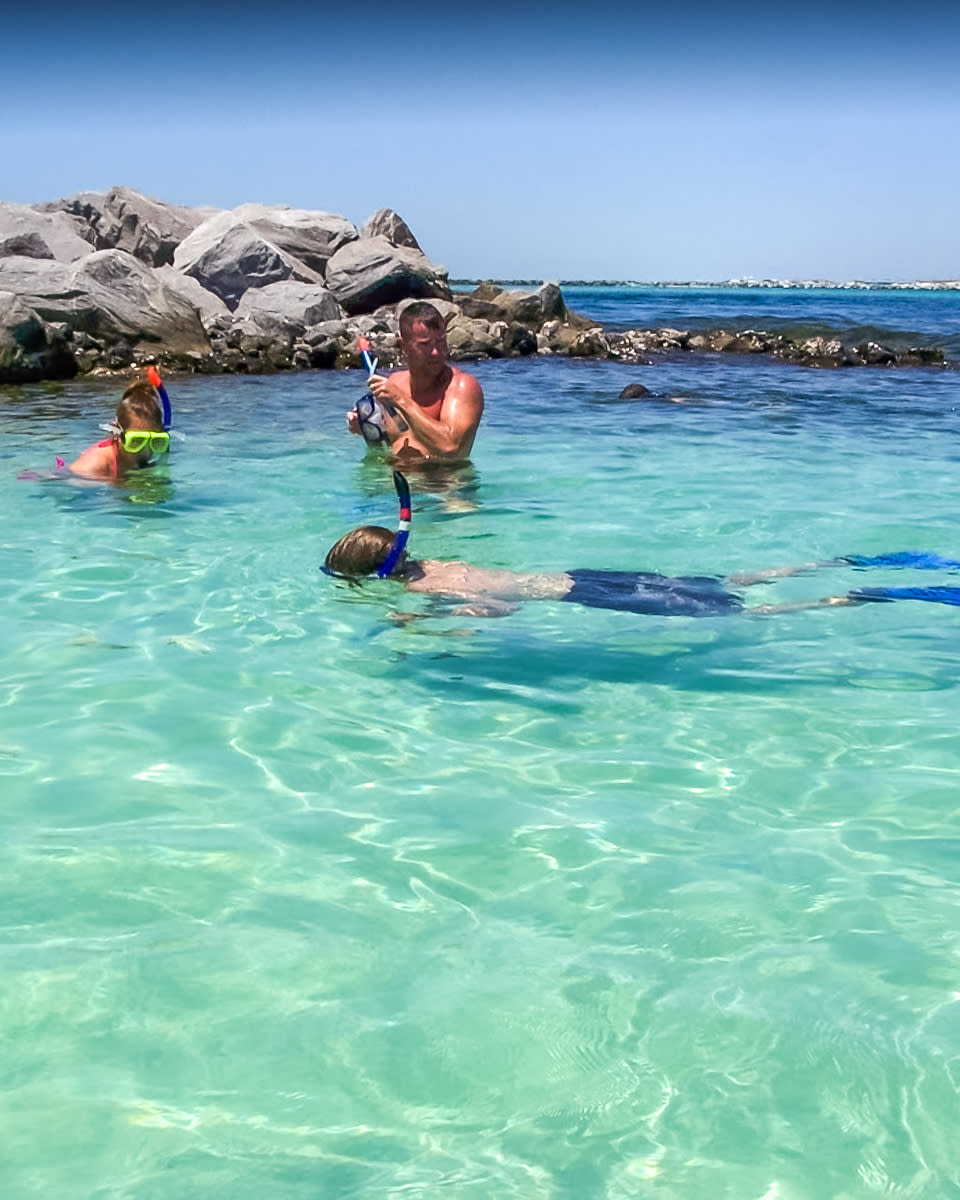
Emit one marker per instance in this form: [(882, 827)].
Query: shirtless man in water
[(440, 405)]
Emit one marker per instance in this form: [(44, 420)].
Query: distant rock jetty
[(100, 283), (918, 285)]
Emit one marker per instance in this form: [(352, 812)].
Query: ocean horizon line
[(918, 285)]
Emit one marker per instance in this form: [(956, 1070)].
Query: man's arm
[(452, 435)]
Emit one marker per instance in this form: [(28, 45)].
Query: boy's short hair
[(140, 401), (360, 552), (423, 313)]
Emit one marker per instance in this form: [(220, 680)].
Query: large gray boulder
[(311, 237), (227, 255), (288, 305), (83, 208), (209, 306), (143, 308), (534, 309), (531, 309), (146, 228), (56, 230), (385, 223), (30, 349), (113, 297), (370, 272), (124, 219)]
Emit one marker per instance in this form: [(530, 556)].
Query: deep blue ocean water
[(302, 900)]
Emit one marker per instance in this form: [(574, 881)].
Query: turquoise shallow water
[(298, 901)]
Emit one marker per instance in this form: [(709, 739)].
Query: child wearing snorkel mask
[(136, 436)]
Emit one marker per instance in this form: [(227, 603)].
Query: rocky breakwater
[(644, 345), (107, 282)]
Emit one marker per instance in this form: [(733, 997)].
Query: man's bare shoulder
[(464, 383)]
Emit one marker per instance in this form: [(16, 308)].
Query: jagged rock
[(749, 341), (311, 237), (148, 229), (386, 223), (25, 245), (487, 290), (518, 341), (721, 341), (590, 343), (30, 348), (556, 337), (115, 298), (84, 209), (125, 219), (325, 331), (288, 305), (470, 337), (258, 244), (370, 272), (142, 307), (56, 230), (533, 308), (211, 308), (875, 354), (920, 356), (227, 255), (816, 351)]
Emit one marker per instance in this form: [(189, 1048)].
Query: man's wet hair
[(360, 552), (421, 312), (140, 401)]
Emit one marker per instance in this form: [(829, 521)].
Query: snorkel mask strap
[(153, 375), (403, 527)]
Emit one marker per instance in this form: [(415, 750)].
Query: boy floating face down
[(137, 437), (486, 592)]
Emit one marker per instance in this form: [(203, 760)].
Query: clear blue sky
[(520, 140)]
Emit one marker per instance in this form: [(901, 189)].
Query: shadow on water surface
[(468, 663)]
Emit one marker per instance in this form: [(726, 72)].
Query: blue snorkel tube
[(153, 375), (399, 543)]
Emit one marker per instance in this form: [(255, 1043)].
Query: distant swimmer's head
[(361, 552)]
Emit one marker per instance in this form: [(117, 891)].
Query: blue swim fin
[(937, 595), (920, 559)]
